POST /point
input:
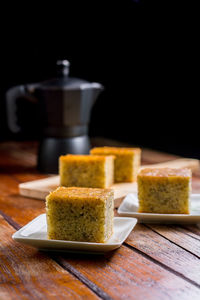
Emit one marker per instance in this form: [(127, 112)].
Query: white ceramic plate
[(129, 208), (35, 234)]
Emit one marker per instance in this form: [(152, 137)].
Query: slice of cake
[(86, 171), (80, 214), (164, 191), (127, 161)]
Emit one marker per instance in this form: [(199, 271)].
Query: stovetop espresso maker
[(65, 105)]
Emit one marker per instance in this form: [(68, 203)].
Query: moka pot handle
[(14, 93)]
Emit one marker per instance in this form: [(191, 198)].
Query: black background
[(145, 53)]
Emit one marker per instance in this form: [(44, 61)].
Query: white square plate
[(129, 208), (35, 234)]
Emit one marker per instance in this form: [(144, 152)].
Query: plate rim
[(125, 213), (17, 238)]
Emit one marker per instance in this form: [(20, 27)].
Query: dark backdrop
[(145, 53)]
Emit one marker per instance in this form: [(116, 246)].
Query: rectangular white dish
[(129, 208), (35, 234)]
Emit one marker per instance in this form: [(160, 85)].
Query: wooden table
[(155, 262)]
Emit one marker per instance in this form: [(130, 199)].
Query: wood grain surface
[(26, 273), (155, 262)]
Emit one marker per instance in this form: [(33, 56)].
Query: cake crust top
[(164, 172), (63, 193), (77, 157), (115, 150)]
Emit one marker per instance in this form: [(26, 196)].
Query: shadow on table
[(63, 257)]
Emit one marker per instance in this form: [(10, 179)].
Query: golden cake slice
[(86, 171), (164, 190), (126, 164), (80, 214)]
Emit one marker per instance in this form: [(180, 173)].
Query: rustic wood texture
[(168, 248), (155, 262), (26, 273), (128, 274)]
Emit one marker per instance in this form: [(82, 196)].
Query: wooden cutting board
[(39, 189)]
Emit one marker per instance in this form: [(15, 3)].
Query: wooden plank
[(12, 204), (28, 274), (193, 229), (179, 236), (127, 268), (165, 251), (8, 185), (126, 274)]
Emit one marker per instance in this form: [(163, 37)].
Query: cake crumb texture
[(164, 190), (127, 161), (86, 171), (80, 214)]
